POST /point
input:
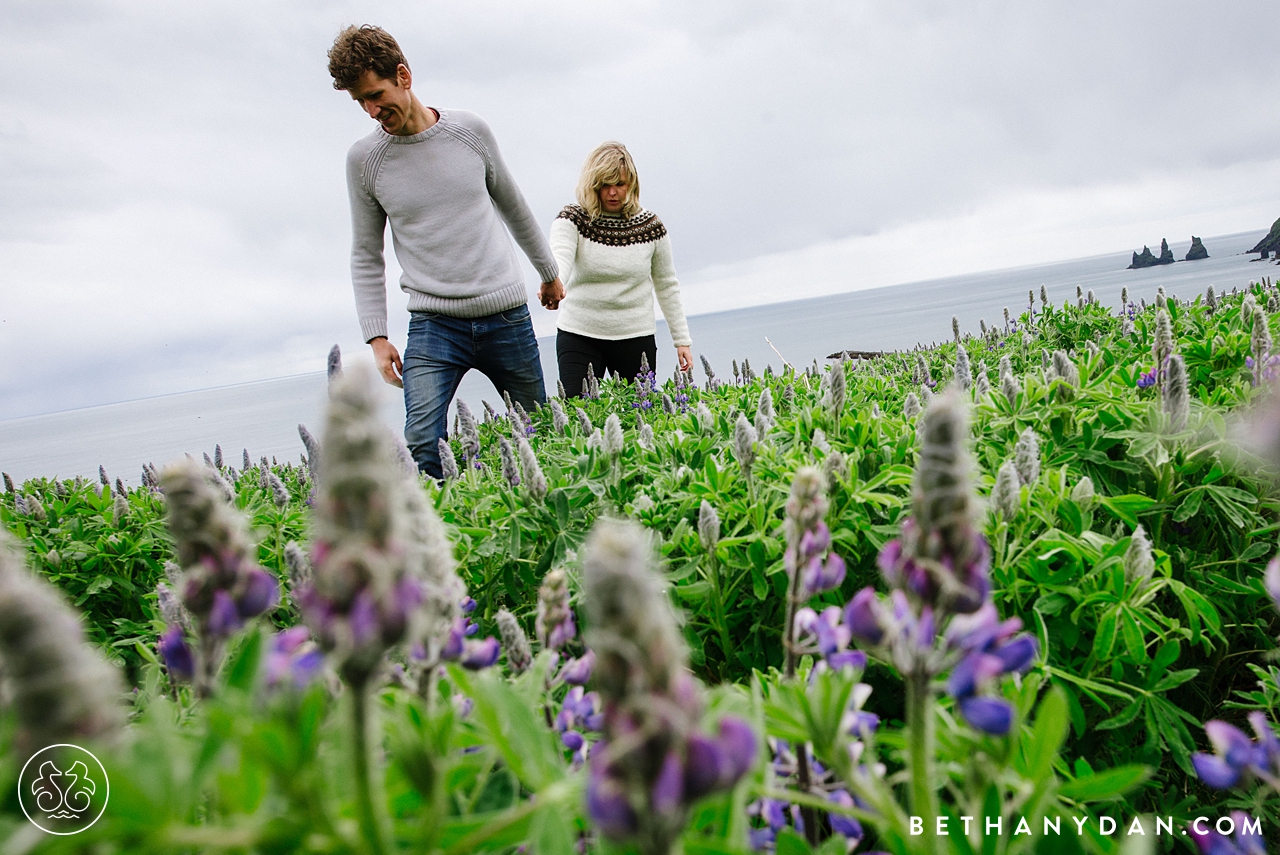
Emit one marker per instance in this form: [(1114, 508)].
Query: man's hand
[(685, 357), (551, 293), (387, 358)]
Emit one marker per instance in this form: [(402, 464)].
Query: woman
[(614, 257)]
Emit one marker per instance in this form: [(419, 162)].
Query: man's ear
[(404, 77)]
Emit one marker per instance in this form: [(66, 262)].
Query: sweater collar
[(395, 139)]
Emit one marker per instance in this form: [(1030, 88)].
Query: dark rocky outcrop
[(1197, 250), (1270, 243), (1146, 259)]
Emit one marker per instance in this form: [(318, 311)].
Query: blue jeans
[(441, 349)]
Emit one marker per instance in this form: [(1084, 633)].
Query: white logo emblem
[(63, 789)]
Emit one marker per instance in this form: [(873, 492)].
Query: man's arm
[(515, 211), (368, 268)]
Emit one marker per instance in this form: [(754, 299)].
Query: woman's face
[(613, 196)]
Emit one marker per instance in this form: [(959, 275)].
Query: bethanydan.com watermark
[(1104, 825), (63, 789)]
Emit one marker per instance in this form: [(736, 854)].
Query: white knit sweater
[(612, 268)]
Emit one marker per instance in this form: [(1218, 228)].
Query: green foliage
[(1131, 665)]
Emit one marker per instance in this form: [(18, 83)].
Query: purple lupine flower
[(293, 658), (1212, 842), (480, 654), (651, 703), (1147, 379), (1233, 755), (841, 824), (862, 617), (554, 625), (577, 672), (177, 655), (990, 715), (572, 740)]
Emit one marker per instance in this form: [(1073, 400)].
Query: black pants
[(620, 357)]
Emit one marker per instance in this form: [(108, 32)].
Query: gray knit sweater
[(447, 193)]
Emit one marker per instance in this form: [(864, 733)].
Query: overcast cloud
[(173, 212)]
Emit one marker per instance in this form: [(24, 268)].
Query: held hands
[(551, 293), (387, 358), (685, 357)]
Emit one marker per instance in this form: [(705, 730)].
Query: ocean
[(262, 417)]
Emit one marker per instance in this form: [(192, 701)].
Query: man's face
[(386, 101)]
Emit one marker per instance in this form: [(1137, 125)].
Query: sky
[(173, 210)]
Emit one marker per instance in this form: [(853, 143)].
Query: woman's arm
[(667, 289), (564, 247)]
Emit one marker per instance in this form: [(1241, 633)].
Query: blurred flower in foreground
[(653, 763)]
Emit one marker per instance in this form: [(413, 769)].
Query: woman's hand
[(685, 357), (551, 293)]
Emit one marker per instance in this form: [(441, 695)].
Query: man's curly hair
[(360, 49)]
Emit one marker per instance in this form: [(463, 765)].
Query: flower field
[(1021, 576)]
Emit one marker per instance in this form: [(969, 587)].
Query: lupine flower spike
[(448, 463), (1177, 400), (653, 762), (221, 587), (534, 479), (1005, 495), (1027, 457), (57, 684), (514, 642), (559, 422), (554, 624), (468, 433), (509, 469), (963, 376)]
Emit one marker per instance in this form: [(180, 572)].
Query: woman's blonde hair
[(610, 163)]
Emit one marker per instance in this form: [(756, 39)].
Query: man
[(438, 177)]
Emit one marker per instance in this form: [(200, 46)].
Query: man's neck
[(420, 118)]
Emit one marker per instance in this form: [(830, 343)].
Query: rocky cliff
[(1270, 243), (1197, 250), (1146, 259)]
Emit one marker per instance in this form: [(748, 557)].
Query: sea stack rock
[(1270, 243), (1166, 254), (1146, 259), (1197, 250)]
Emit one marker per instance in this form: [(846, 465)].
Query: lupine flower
[(509, 469), (534, 479), (982, 325), (58, 685), (366, 551), (764, 413), (911, 406), (614, 442), (8, 484), (333, 366), (102, 476), (1139, 563), (299, 568), (1026, 455), (708, 526), (835, 469), (809, 539), (222, 587), (514, 641), (668, 405), (468, 433), (577, 672), (1044, 296), (480, 654), (279, 493), (744, 445), (312, 445), (293, 658), (644, 436), (1005, 495), (1006, 318), (1177, 399), (982, 386), (1260, 344), (36, 509), (1147, 379), (584, 422), (838, 391), (1162, 343), (448, 463), (1065, 369), (1242, 843), (554, 624), (120, 490), (178, 658), (922, 371), (652, 763), (593, 384), (1083, 493), (559, 422), (963, 375), (1211, 300), (955, 328), (1161, 299), (596, 440)]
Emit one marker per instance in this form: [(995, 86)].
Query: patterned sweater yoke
[(644, 227)]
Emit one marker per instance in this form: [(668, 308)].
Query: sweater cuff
[(548, 273), (372, 328)]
